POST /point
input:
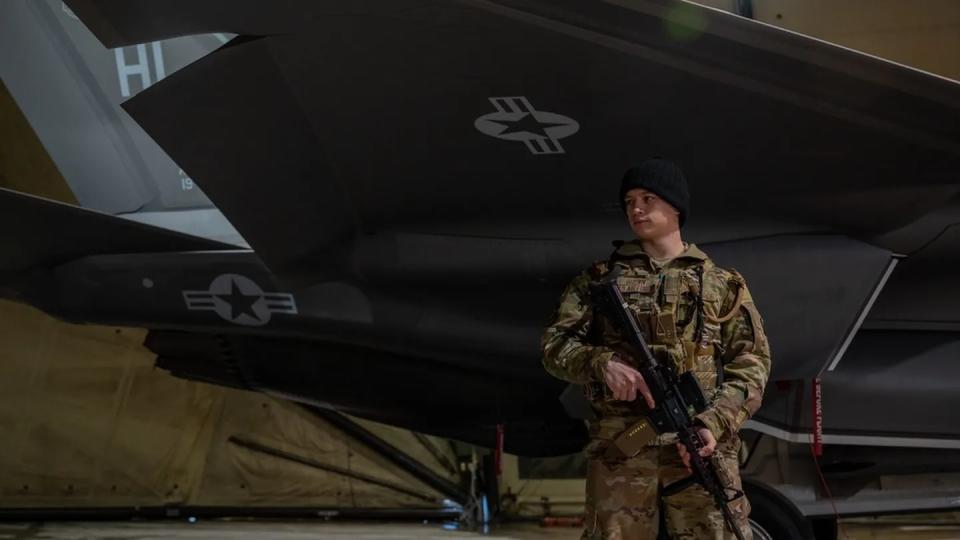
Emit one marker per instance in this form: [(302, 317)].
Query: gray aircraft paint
[(863, 315), (856, 440), (70, 88)]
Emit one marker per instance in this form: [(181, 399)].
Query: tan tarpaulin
[(24, 164), (86, 420)]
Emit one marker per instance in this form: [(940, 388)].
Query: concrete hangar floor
[(939, 527)]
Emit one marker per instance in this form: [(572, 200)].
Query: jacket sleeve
[(567, 352), (746, 359)]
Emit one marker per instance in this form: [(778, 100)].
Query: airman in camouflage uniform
[(694, 314)]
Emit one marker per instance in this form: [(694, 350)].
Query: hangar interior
[(92, 430)]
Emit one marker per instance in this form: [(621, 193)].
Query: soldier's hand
[(710, 444), (625, 382)]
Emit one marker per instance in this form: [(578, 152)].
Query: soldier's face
[(649, 216)]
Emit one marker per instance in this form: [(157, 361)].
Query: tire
[(824, 528), (759, 533), (774, 516)]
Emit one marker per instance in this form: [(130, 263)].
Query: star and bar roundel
[(239, 300), (515, 119)]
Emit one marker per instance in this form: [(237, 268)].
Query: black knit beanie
[(662, 177)]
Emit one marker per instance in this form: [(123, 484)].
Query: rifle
[(675, 397)]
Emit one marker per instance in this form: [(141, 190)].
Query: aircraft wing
[(39, 235), (61, 232)]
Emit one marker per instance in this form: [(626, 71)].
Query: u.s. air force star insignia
[(240, 300), (516, 120)]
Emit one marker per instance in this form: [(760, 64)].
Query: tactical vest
[(678, 308)]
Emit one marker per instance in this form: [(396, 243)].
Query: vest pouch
[(663, 328)]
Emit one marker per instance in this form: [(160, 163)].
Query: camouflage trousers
[(623, 496)]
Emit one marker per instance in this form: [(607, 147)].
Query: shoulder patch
[(728, 286)]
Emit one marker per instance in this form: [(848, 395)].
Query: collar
[(633, 250)]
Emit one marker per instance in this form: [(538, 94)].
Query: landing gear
[(759, 533), (774, 516), (824, 528)]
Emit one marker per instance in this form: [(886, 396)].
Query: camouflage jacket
[(727, 345)]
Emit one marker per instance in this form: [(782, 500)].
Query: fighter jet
[(394, 193)]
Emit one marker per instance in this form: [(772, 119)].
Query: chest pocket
[(671, 289), (642, 284), (638, 291)]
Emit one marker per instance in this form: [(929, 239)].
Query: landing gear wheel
[(759, 533), (824, 528), (774, 516)]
